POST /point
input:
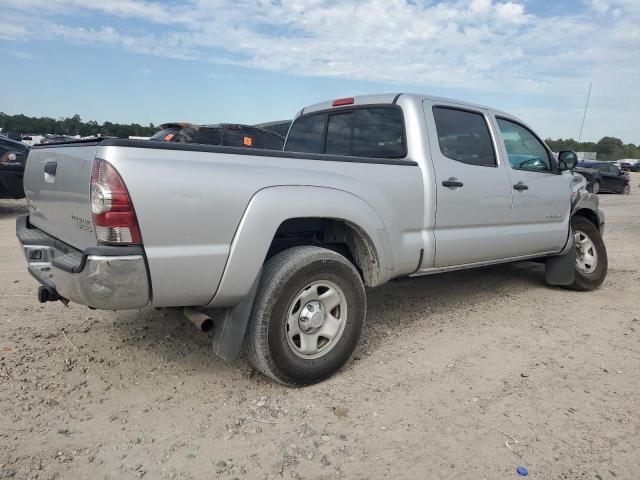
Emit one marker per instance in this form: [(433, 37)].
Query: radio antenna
[(585, 113)]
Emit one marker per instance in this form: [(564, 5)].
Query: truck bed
[(190, 200)]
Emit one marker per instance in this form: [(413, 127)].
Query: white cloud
[(482, 45)]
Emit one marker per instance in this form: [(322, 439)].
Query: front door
[(473, 193), (541, 194)]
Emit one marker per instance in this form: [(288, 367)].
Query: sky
[(249, 61)]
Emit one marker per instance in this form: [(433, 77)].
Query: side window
[(307, 134), (339, 133), (524, 150), (378, 132), (464, 136)]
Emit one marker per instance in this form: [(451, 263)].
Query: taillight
[(114, 218)]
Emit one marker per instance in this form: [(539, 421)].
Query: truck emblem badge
[(82, 223)]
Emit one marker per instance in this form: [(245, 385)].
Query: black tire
[(593, 187), (588, 281), (283, 278)]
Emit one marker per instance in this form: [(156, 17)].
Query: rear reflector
[(342, 101), (114, 218)]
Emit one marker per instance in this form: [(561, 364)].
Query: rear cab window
[(360, 131)]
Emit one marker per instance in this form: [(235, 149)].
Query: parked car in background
[(635, 166), (591, 175), (13, 157), (222, 134), (31, 139), (624, 166), (281, 127), (612, 179), (49, 139)]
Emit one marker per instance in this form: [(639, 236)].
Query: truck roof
[(390, 98)]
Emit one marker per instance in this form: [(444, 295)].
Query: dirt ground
[(463, 375)]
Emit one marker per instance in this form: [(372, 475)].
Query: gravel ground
[(463, 375)]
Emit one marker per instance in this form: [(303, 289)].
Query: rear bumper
[(107, 278)]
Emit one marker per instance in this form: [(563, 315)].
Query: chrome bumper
[(106, 282)]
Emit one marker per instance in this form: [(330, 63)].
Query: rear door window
[(464, 136)]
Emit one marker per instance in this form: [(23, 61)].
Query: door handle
[(50, 168), (452, 183), (520, 186)]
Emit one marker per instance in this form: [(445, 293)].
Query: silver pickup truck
[(272, 250)]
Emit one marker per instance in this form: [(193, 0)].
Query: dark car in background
[(611, 178), (624, 166), (223, 134), (13, 158)]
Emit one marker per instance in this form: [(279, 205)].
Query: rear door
[(541, 194), (615, 178), (473, 193), (56, 183)]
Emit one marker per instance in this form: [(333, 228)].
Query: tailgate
[(56, 183)]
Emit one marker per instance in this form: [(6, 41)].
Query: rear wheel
[(307, 317), (593, 187), (591, 255)]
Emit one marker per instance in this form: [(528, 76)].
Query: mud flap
[(561, 270), (231, 325)]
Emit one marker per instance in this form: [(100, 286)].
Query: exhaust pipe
[(46, 294), (201, 320)]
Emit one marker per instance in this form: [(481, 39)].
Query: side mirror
[(567, 160)]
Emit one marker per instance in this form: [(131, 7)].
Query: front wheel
[(591, 255), (307, 317), (593, 187), (626, 190)]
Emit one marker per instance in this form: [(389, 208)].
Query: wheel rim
[(626, 190), (595, 188), (316, 319), (586, 253)]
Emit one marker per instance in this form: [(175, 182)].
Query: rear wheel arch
[(270, 208), (339, 235)]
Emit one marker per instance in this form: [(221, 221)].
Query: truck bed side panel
[(190, 203)]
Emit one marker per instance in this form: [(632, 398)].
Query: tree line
[(608, 148), (71, 126)]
